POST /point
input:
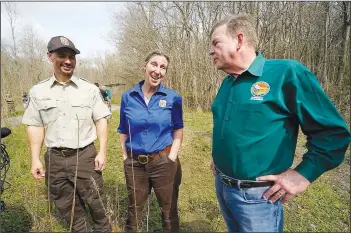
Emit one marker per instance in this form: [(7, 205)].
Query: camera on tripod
[(4, 166)]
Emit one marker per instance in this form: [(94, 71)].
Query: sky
[(86, 24)]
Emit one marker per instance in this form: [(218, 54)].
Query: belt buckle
[(65, 151), (227, 182), (230, 183), (143, 159)]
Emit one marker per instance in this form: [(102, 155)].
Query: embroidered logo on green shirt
[(259, 89)]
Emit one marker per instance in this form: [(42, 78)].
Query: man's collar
[(256, 67), (73, 79)]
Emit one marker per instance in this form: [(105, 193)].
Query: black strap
[(246, 184), (68, 149)]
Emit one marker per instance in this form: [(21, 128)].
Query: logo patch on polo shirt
[(259, 89), (162, 103)]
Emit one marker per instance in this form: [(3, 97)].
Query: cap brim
[(77, 51), (74, 49)]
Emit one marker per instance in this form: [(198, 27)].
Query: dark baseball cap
[(58, 42)]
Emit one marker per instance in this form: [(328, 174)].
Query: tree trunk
[(324, 77), (346, 35)]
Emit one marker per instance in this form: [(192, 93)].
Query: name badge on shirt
[(162, 103)]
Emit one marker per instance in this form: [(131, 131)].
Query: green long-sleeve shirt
[(256, 119)]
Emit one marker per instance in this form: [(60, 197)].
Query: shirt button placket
[(226, 119)]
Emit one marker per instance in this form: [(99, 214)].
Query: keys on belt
[(145, 159)]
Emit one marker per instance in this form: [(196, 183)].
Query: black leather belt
[(246, 184), (234, 183), (65, 151)]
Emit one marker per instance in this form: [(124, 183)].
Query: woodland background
[(315, 33)]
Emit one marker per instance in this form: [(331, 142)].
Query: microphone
[(5, 132)]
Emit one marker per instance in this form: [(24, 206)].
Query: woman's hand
[(123, 138), (173, 157), (177, 141)]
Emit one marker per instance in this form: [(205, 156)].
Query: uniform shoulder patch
[(86, 80), (26, 102), (45, 80)]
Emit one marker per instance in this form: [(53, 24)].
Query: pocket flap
[(80, 102), (46, 104)]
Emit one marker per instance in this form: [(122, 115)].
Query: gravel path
[(11, 122), (115, 107)]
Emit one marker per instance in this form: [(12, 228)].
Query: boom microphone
[(5, 132)]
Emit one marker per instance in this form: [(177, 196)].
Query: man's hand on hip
[(213, 167), (100, 161), (286, 184), (37, 170)]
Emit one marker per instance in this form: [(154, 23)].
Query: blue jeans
[(245, 209)]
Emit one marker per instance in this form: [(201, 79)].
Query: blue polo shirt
[(152, 125)]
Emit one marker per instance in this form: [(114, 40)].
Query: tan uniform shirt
[(66, 111)]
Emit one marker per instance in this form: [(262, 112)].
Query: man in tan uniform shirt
[(68, 113)]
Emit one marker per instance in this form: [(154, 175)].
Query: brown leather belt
[(145, 159)]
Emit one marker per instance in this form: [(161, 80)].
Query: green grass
[(116, 100), (323, 207), (18, 113)]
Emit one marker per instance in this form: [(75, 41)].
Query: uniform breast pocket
[(48, 110), (251, 117), (81, 109), (166, 115)]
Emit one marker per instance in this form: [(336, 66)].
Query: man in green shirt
[(256, 118)]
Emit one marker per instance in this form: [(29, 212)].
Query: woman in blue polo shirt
[(151, 132)]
